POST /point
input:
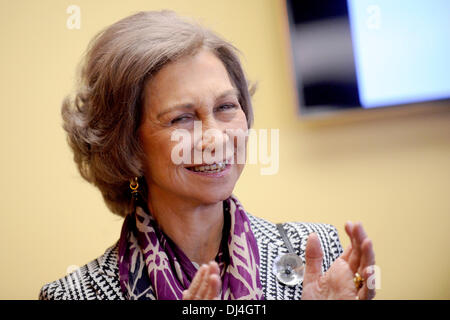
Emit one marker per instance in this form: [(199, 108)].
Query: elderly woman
[(185, 236)]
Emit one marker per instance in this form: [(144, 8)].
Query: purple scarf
[(151, 266)]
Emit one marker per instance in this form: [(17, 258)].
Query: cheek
[(239, 128), (157, 148), (242, 120), (239, 168)]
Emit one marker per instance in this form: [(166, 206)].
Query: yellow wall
[(392, 172)]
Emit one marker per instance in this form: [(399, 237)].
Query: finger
[(214, 268), (203, 288), (353, 258), (347, 252), (214, 287), (195, 284), (313, 257), (360, 233), (367, 270), (214, 281), (368, 255), (349, 228), (370, 282), (209, 285), (368, 291), (358, 236)]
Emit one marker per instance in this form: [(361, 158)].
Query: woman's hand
[(337, 282), (206, 283)]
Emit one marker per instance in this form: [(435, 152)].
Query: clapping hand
[(338, 281), (206, 284)]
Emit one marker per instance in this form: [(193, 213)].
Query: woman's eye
[(226, 107), (182, 118)]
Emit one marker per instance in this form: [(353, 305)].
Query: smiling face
[(191, 89)]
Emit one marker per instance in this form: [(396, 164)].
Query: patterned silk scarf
[(151, 266)]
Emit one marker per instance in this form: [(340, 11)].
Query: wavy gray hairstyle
[(102, 117)]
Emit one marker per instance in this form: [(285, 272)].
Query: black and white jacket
[(99, 279)]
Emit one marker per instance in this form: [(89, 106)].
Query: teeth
[(216, 167)]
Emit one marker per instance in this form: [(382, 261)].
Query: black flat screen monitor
[(364, 54)]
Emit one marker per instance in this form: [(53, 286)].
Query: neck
[(195, 228)]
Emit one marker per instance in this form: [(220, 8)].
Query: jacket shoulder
[(97, 280)]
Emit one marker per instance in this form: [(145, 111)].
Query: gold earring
[(134, 185)]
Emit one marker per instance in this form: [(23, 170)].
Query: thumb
[(313, 257)]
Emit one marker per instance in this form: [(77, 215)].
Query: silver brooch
[(289, 268)]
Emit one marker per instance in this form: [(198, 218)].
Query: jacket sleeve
[(53, 291)]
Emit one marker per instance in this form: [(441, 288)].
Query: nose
[(211, 140), (211, 137)]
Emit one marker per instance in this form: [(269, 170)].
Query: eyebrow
[(184, 106)]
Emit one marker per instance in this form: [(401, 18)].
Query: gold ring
[(358, 280)]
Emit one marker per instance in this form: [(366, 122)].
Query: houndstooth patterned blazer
[(99, 279)]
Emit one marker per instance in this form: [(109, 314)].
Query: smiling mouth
[(210, 168)]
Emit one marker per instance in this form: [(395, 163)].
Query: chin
[(215, 195)]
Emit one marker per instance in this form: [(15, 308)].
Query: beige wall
[(392, 172)]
